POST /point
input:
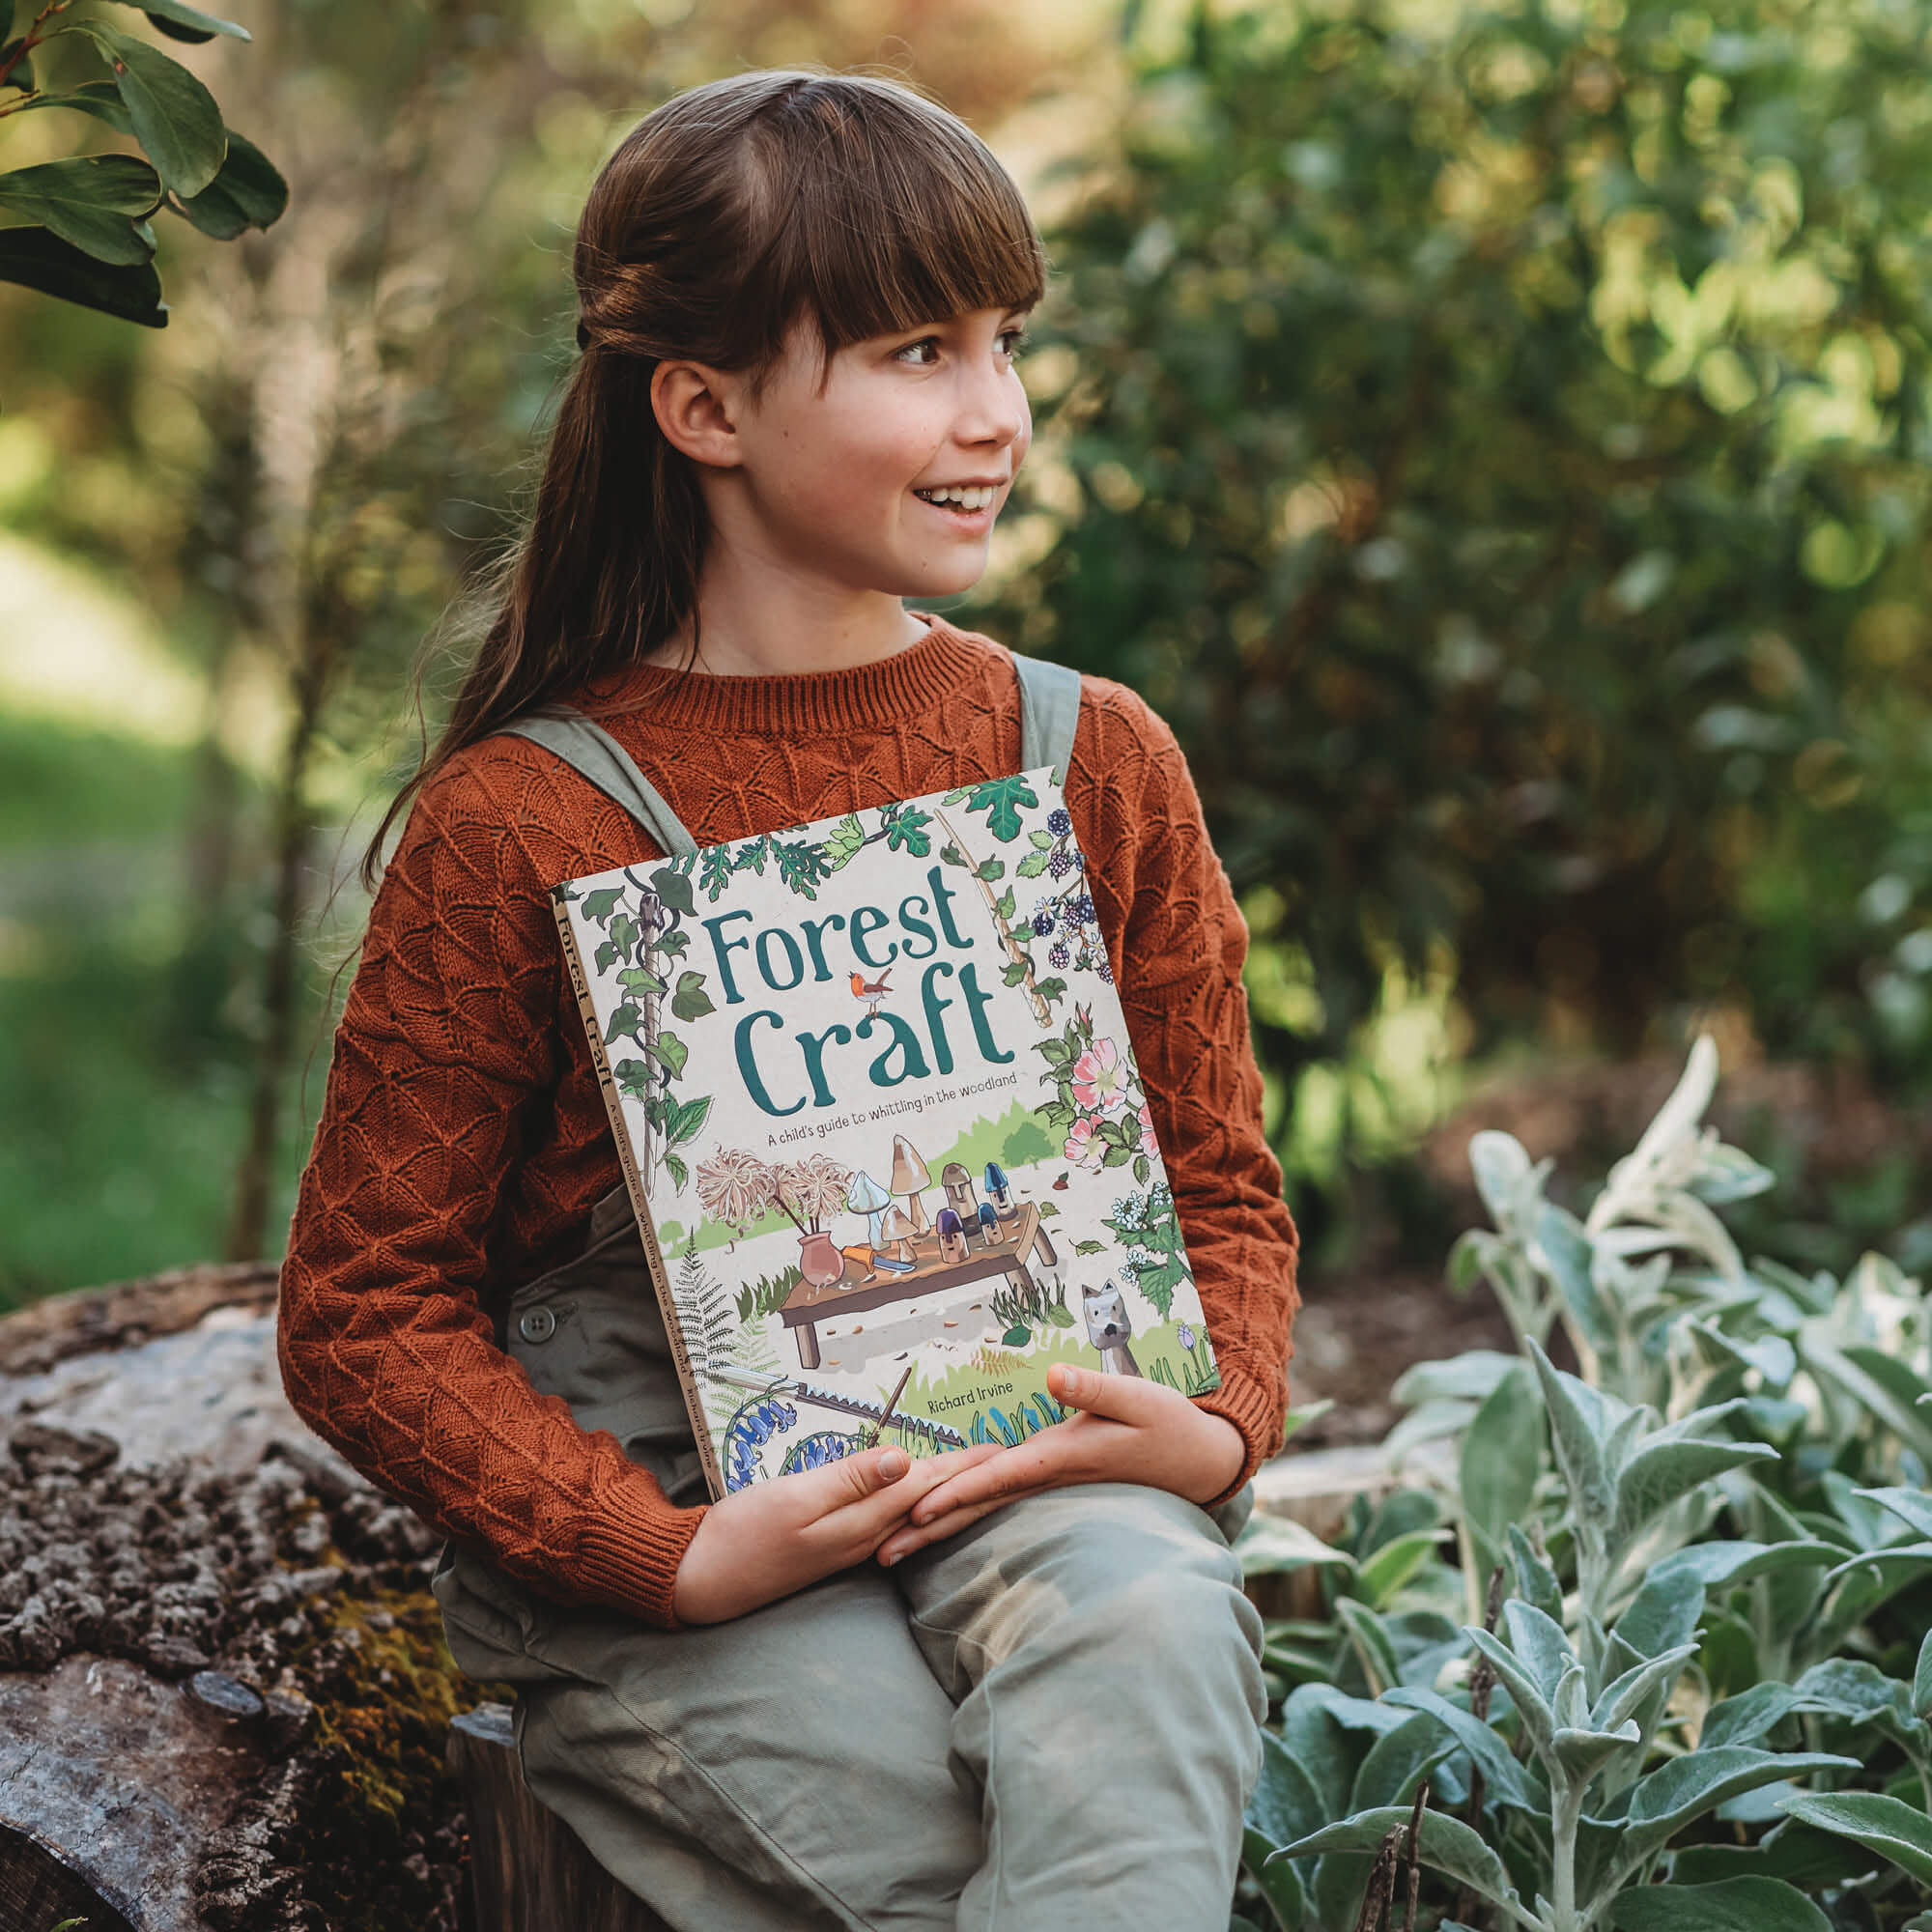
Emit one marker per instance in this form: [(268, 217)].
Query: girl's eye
[(1016, 339)]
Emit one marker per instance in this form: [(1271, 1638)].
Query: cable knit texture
[(463, 1139)]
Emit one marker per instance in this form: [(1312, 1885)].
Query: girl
[(1006, 1688)]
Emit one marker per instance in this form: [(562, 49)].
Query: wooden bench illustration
[(852, 1293)]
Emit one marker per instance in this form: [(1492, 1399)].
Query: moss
[(384, 1692)]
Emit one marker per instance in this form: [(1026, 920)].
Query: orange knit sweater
[(464, 1140)]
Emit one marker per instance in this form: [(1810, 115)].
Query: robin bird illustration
[(873, 993)]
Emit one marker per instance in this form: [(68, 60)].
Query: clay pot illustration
[(820, 1261)]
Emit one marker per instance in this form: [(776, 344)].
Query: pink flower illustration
[(1082, 1148), (1101, 1078), (1146, 1129)]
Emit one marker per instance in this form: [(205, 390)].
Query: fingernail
[(894, 1464), (889, 1561), (1076, 1382)]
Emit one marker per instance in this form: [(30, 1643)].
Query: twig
[(1415, 1855), (1482, 1681)]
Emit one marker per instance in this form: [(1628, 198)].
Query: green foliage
[(765, 1296), (1495, 440), (1688, 1626), (86, 236)]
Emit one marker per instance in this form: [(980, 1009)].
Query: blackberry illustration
[(1106, 973), (1042, 921), (1082, 910), (1057, 953), (1058, 823), (1061, 864)]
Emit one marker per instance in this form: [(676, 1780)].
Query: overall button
[(536, 1324)]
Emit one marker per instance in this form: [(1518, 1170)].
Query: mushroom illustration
[(959, 1195), (898, 1232), (952, 1233), (1000, 1190), (909, 1176), (870, 1199), (989, 1224)]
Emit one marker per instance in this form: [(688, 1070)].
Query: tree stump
[(528, 1870)]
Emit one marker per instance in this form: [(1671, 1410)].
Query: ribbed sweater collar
[(825, 702)]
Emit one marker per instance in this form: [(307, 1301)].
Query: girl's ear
[(695, 406)]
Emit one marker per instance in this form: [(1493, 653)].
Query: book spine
[(640, 1204)]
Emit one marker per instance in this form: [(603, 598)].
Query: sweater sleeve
[(1178, 942), (444, 1059)]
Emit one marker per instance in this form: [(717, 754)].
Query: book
[(881, 1121)]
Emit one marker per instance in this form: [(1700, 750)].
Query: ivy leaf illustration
[(690, 1001), (636, 980), (671, 1053), (950, 855), (1015, 972), (624, 1023), (633, 1078), (673, 944), (1001, 800), (1003, 905), (677, 1171), (673, 888), (1050, 990), (1087, 1247), (601, 903), (1032, 865)]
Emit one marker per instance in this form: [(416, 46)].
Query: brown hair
[(728, 214)]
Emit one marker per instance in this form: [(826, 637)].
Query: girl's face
[(836, 482)]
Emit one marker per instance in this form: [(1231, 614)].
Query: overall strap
[(1049, 714), (591, 752)]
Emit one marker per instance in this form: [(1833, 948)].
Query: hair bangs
[(888, 214)]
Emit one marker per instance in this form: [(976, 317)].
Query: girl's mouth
[(976, 519)]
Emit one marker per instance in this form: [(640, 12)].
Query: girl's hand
[(763, 1543), (1129, 1430)]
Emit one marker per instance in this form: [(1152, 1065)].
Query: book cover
[(882, 1124)]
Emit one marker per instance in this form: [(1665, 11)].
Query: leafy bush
[(1676, 1672)]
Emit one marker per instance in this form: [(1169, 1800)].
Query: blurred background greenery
[(1496, 436)]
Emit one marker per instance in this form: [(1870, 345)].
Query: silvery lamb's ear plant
[(1694, 1589)]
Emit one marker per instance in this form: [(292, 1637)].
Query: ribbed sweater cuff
[(629, 1556), (1256, 1409)]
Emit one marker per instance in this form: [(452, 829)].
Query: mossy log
[(528, 1870), (224, 1694)]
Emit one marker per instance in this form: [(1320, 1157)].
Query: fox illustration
[(1108, 1328)]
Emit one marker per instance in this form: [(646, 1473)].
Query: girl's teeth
[(965, 499)]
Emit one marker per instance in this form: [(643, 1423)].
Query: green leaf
[(1448, 1845), (992, 870), (673, 887), (1887, 1389), (1539, 1645), (1662, 1802), (598, 906), (1724, 1565), (1273, 1546), (670, 1052), (1285, 1805), (174, 115), (1397, 1763), (167, 13), (676, 1169), (1005, 906), (624, 1023), (35, 259), (688, 1120), (1921, 1680), (638, 980), (1532, 1701), (1385, 1573), (1536, 1581), (1501, 1456), (1504, 1777), (1625, 1697), (1733, 1905), (1582, 1754), (1662, 1615), (20, 75), (249, 192), (1014, 972), (1580, 1419), (1087, 1247), (844, 843), (96, 202), (1050, 990), (690, 1001), (1372, 1643), (98, 98), (1859, 1692), (1032, 865), (1277, 1883), (1748, 1717), (1660, 1472), (1880, 1824), (1911, 1506), (1001, 800)]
